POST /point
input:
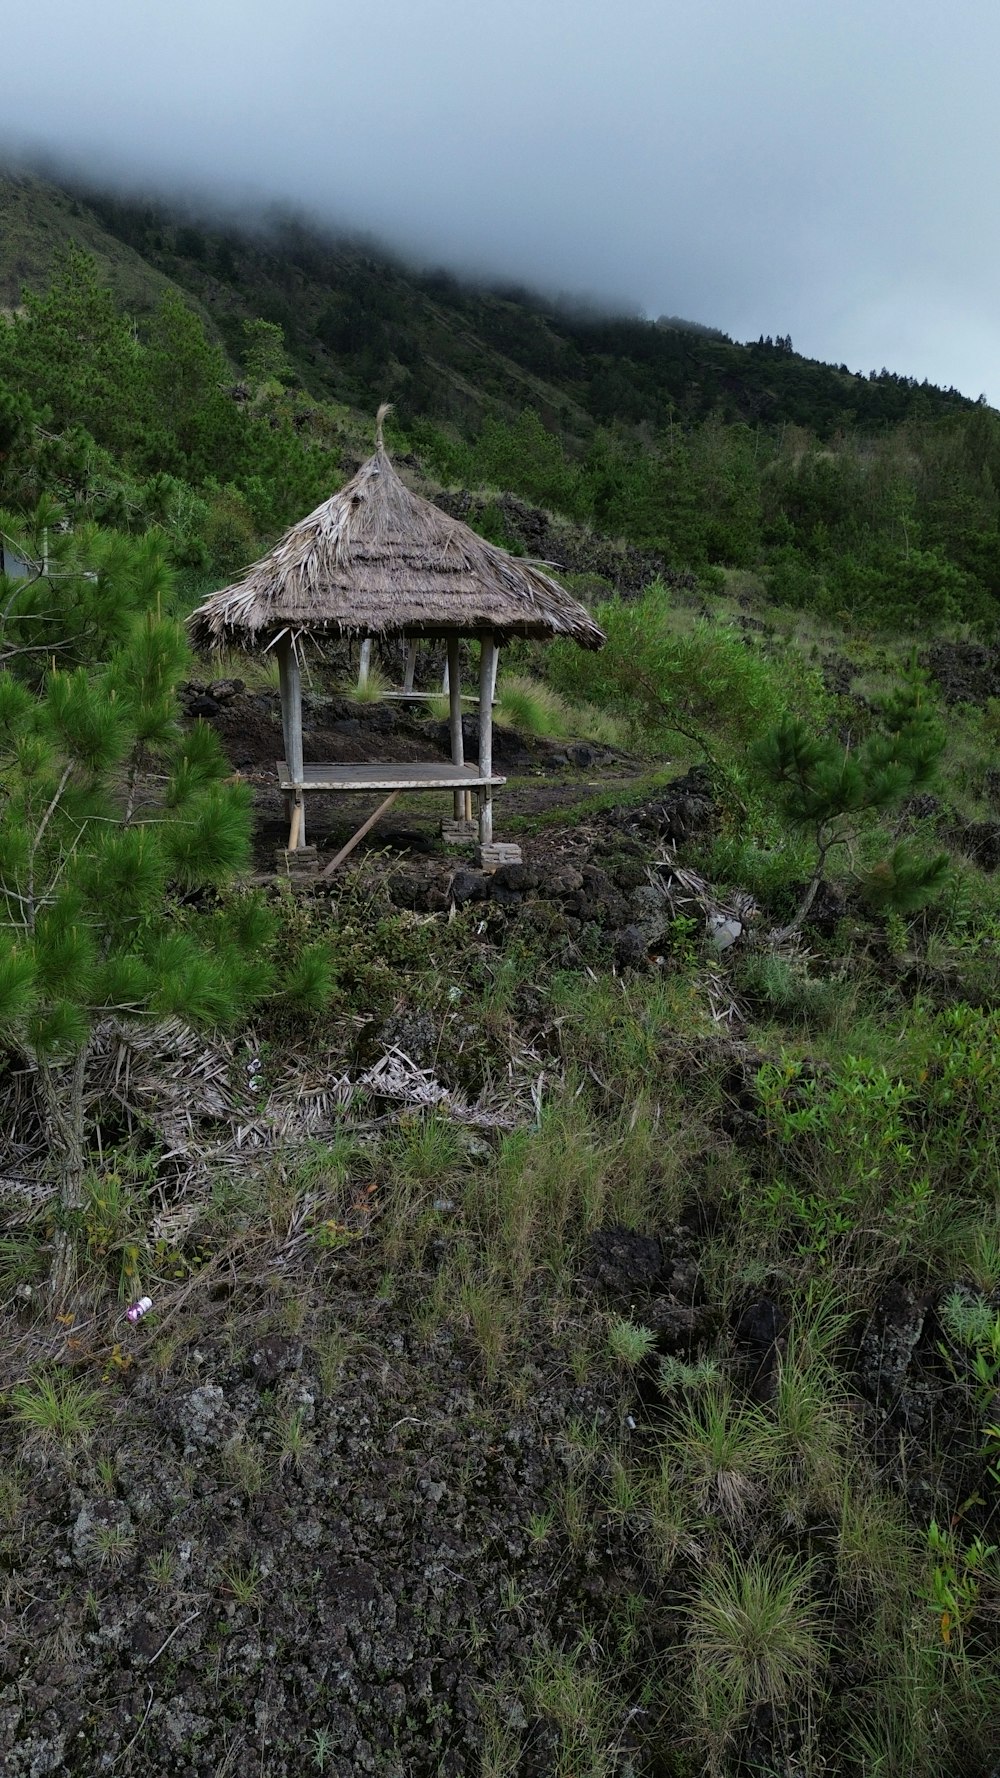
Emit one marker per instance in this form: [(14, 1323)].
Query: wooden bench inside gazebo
[(376, 560), (298, 777)]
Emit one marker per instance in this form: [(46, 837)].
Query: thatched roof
[(377, 560)]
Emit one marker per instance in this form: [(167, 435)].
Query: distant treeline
[(892, 513)]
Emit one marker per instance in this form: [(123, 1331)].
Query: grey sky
[(825, 168)]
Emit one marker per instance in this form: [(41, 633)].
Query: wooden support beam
[(488, 653), (411, 667), (282, 650), (455, 717), (366, 827), (365, 662), (291, 723)]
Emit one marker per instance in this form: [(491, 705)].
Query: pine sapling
[(828, 790)]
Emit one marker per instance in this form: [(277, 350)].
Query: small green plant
[(162, 1567), (425, 1149), (568, 1689), (106, 1465), (333, 1348), (629, 1343), (243, 1582), (674, 1374), (320, 1748), (974, 1326), (114, 1544), (243, 1464), (55, 1407), (295, 1441), (724, 1452), (539, 1526), (956, 1576), (844, 1140), (575, 1512)]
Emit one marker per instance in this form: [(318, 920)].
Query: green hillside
[(246, 365), (37, 220), (522, 1321), (359, 324)]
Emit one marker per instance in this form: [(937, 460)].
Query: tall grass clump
[(755, 1640), (531, 707), (369, 688)]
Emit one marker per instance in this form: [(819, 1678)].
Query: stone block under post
[(303, 862), (460, 833), (499, 852)]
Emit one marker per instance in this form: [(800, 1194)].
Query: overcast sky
[(824, 168)]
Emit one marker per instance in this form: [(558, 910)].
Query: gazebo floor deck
[(416, 774)]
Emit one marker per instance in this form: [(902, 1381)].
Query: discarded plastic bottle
[(139, 1309)]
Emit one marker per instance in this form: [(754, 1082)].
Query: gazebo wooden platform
[(377, 560)]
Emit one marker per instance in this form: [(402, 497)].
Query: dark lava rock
[(888, 1346), (349, 726), (560, 881), (622, 1261), (626, 570), (579, 754), (979, 840), (760, 1336), (826, 911), (204, 706), (225, 690), (685, 810), (407, 839), (677, 1326), (967, 672), (923, 807), (469, 885), (519, 877), (417, 890), (273, 1358), (630, 948), (415, 1033)]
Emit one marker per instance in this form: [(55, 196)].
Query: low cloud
[(825, 172)]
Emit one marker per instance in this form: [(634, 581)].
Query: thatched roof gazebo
[(376, 560)]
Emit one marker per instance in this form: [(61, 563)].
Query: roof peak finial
[(380, 417)]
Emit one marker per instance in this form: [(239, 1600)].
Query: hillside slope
[(37, 221), (359, 324)]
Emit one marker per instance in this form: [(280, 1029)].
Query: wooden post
[(455, 714), (282, 649), (411, 666), (291, 722), (487, 680), (365, 665)]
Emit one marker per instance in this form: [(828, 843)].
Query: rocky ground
[(309, 1531), (311, 1525)]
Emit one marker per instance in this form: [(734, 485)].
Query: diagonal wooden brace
[(355, 839)]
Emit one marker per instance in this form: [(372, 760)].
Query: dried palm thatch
[(376, 560)]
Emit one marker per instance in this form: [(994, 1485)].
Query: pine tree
[(96, 857), (828, 790)]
